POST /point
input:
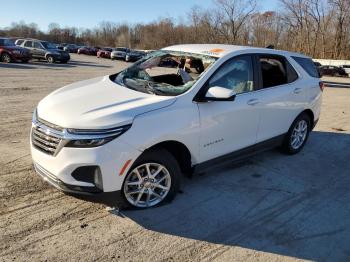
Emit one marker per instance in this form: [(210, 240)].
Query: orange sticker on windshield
[(216, 50)]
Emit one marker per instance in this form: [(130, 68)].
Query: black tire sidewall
[(3, 58), (287, 148), (48, 59), (165, 158)]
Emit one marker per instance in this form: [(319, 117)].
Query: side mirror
[(217, 93)]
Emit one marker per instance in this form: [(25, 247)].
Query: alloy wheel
[(147, 185), (299, 134)]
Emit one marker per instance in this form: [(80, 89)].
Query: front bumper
[(53, 180), (110, 158)]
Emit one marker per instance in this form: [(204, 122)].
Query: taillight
[(321, 84)]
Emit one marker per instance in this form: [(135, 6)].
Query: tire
[(6, 58), (50, 59), (295, 140), (149, 193)]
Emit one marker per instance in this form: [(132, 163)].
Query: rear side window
[(276, 70), (308, 65), (28, 44)]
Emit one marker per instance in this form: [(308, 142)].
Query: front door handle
[(253, 102), (297, 90)]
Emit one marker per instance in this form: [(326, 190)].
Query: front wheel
[(153, 180), (50, 59), (297, 135)]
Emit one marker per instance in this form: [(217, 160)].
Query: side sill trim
[(240, 154)]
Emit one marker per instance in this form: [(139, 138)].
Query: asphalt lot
[(271, 207)]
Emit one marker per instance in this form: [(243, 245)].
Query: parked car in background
[(169, 62), (46, 50), (85, 50), (330, 70), (104, 52), (108, 134), (134, 55), (71, 48), (61, 46), (347, 69), (317, 64), (9, 52), (119, 53)]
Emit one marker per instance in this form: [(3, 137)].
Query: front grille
[(46, 137)]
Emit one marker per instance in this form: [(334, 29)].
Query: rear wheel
[(6, 58), (50, 59), (153, 180), (297, 135)]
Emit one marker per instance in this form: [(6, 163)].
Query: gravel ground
[(271, 207)]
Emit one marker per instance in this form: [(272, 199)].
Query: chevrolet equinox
[(137, 131)]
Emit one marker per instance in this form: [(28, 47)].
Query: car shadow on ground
[(296, 206)]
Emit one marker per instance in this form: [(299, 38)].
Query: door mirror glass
[(217, 93)]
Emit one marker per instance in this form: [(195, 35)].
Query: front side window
[(236, 74), (48, 45), (167, 73), (37, 45)]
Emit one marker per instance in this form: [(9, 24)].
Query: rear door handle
[(253, 102), (297, 90)]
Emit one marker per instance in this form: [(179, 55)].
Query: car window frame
[(261, 83), (41, 46), (200, 95), (24, 44)]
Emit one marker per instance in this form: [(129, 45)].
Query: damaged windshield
[(167, 73)]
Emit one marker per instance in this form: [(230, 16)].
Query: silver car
[(119, 53)]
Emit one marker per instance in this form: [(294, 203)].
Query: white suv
[(177, 111)]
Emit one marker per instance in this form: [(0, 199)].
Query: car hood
[(97, 103)]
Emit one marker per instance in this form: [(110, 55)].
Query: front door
[(227, 126), (38, 50)]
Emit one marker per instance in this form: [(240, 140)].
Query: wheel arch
[(180, 152), (310, 114)]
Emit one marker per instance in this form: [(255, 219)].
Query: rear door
[(29, 46), (281, 96)]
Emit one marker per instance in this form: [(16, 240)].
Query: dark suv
[(9, 52), (45, 50)]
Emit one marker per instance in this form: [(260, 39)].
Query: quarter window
[(308, 65), (236, 74)]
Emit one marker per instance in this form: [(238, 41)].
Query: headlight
[(92, 138)]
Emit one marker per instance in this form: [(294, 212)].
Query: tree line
[(318, 28)]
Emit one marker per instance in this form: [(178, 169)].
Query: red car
[(85, 50), (105, 52), (9, 52)]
